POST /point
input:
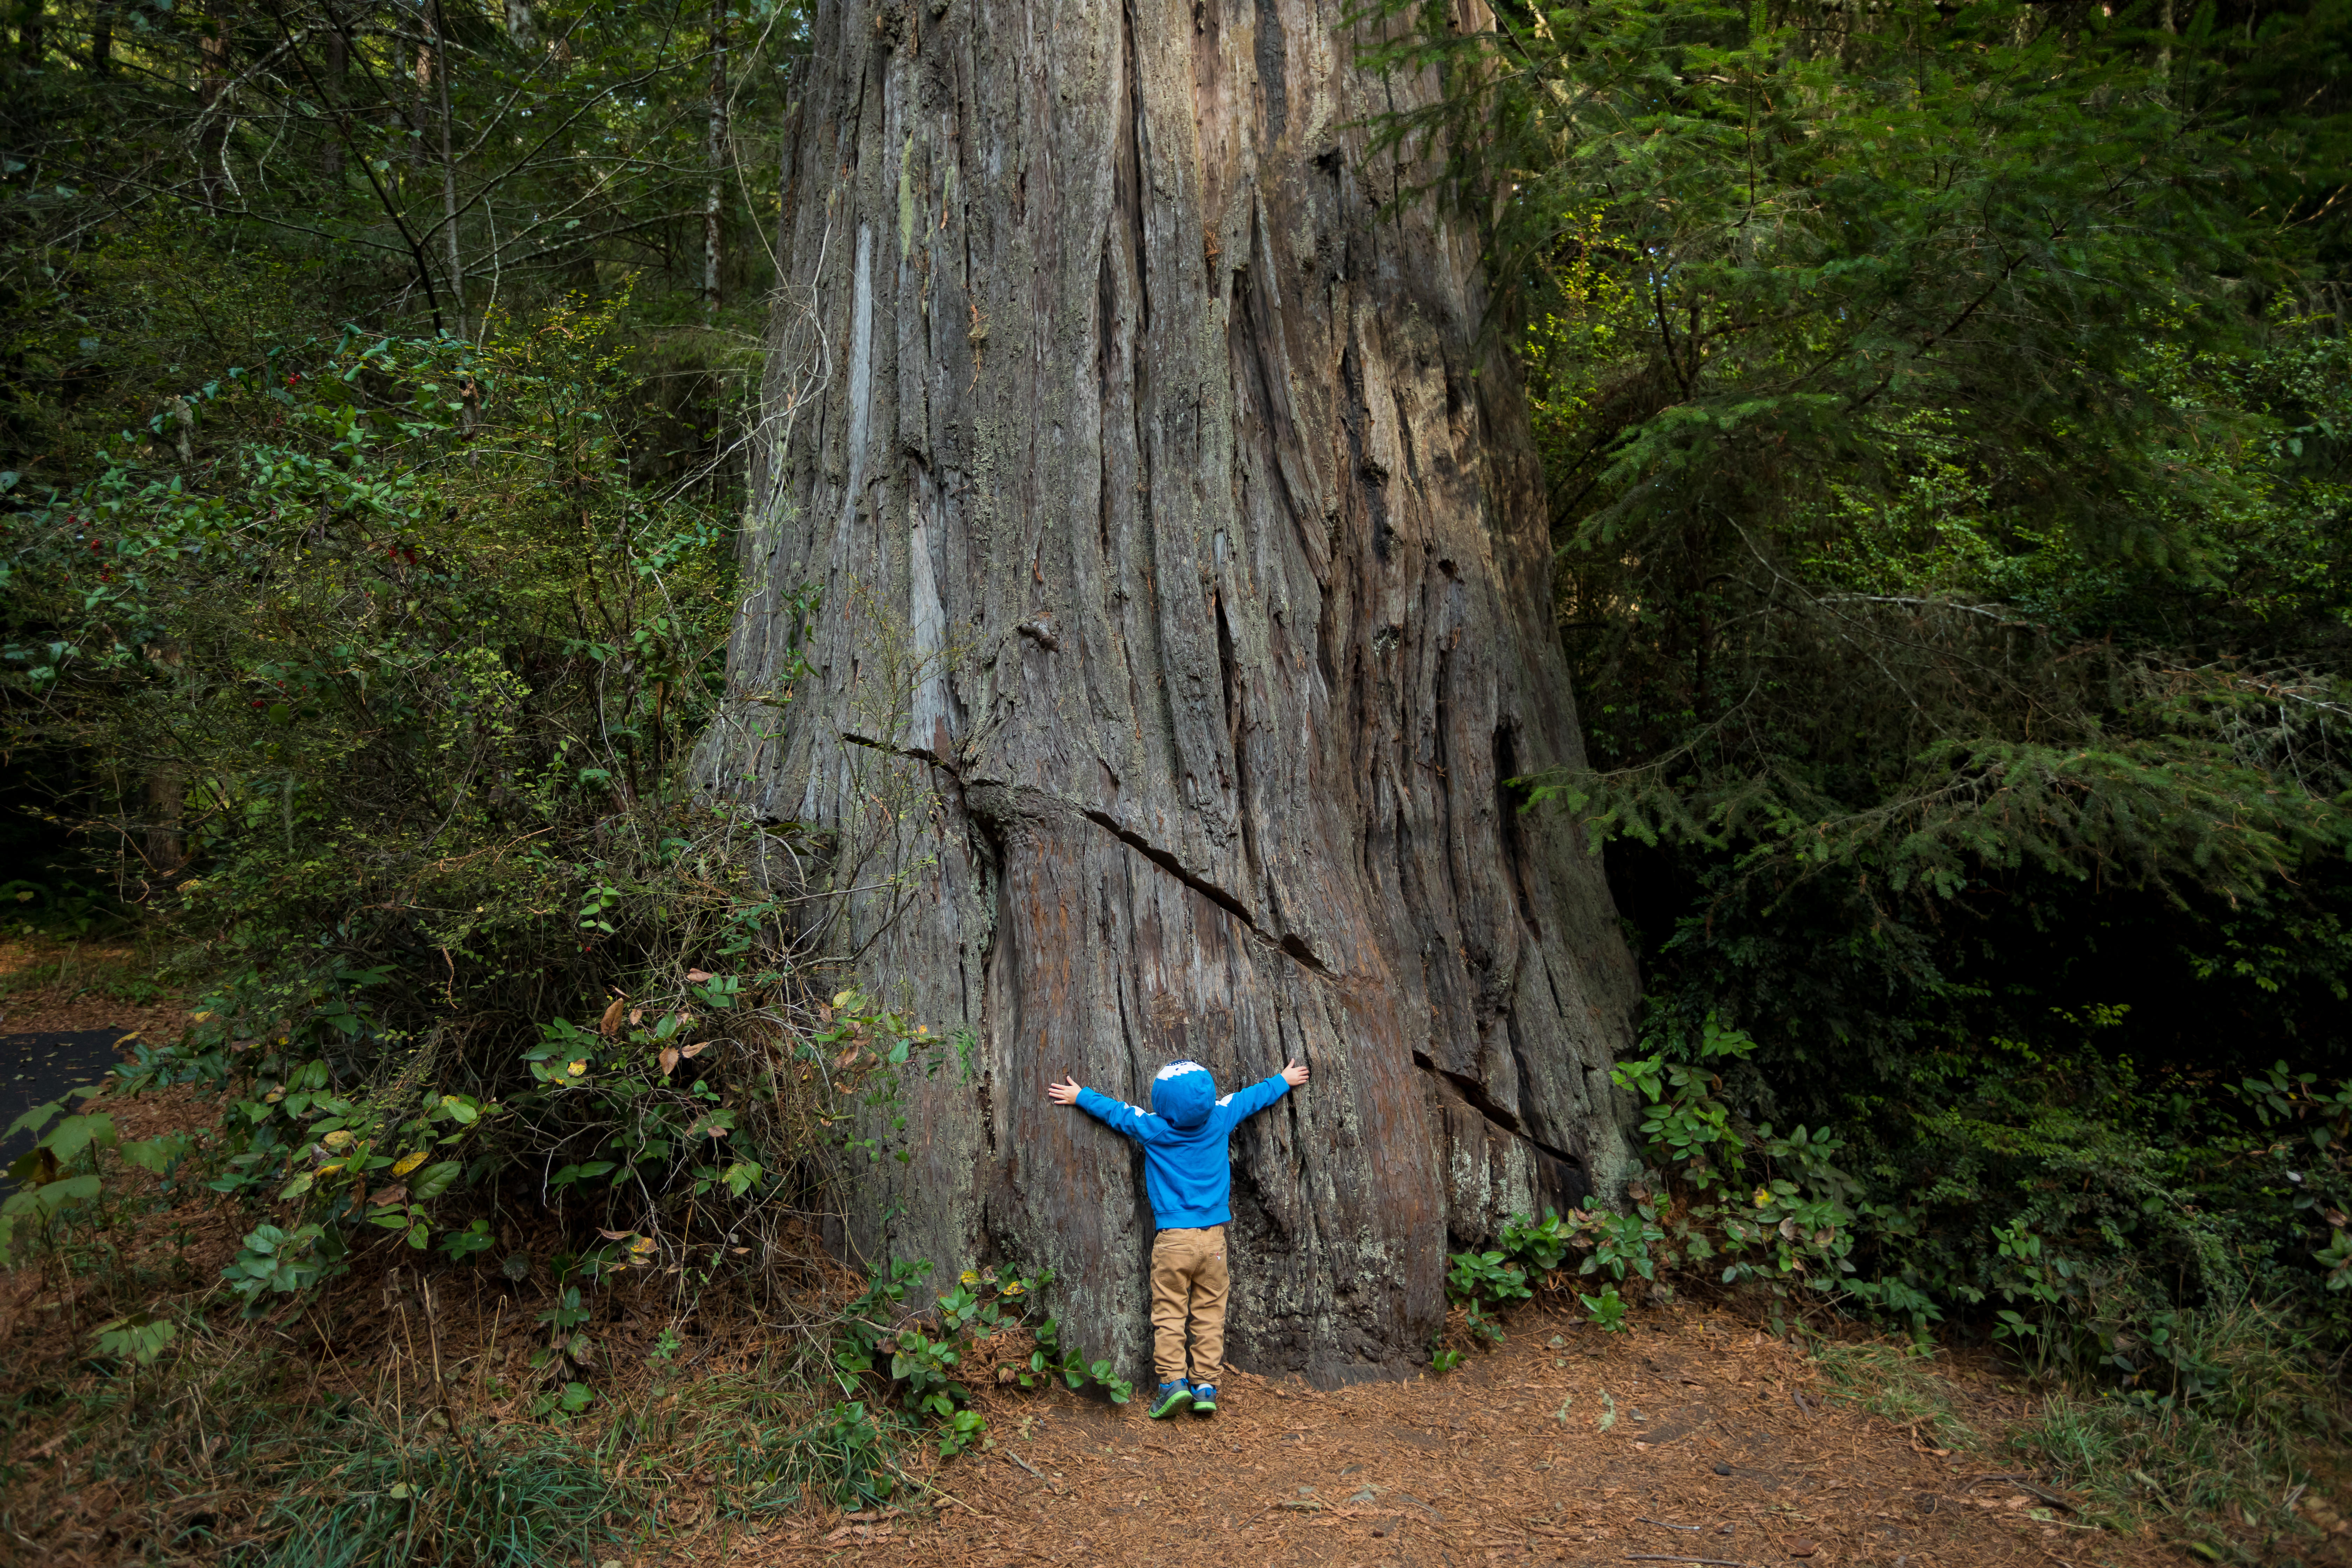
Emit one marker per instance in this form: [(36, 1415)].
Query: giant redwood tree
[(1148, 604)]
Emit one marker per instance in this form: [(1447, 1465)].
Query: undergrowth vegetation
[(2155, 1275), (393, 679)]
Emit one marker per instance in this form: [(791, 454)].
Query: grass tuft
[(362, 1497), (2217, 1459), (1902, 1382)]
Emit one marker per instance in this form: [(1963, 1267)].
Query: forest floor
[(1694, 1438), (1691, 1439)]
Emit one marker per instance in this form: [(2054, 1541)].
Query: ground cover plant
[(494, 1407)]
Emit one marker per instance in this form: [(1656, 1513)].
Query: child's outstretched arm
[(1251, 1098), (1117, 1115)]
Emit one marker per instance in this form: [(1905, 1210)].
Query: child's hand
[(1294, 1074), (1063, 1093)]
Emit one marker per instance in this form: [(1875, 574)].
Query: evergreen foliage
[(1944, 411)]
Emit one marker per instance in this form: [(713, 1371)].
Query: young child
[(1190, 1177)]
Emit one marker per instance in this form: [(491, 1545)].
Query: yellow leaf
[(338, 1139), (575, 1069), (407, 1162)]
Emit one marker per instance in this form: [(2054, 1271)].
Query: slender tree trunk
[(1185, 607), (420, 116), (165, 843), (715, 156), (101, 39), (440, 25)]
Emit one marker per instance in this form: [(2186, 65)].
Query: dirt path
[(1590, 1450)]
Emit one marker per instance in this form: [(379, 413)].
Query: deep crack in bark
[(1473, 1094), (1291, 944)]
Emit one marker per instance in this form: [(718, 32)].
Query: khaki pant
[(1188, 1286)]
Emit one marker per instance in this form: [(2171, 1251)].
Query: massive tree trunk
[(1184, 607)]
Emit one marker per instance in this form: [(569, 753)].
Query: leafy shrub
[(2042, 1192), (928, 1357), (394, 665), (1529, 1252), (62, 1175)]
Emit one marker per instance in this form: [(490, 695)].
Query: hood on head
[(1182, 1094)]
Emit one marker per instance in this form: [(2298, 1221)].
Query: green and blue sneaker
[(1171, 1397), (1205, 1399)]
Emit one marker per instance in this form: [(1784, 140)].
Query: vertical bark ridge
[(1208, 552)]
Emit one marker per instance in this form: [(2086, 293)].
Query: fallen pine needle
[(1662, 1524), (1677, 1557)]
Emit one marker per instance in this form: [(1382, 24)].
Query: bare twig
[(2025, 1484), (1662, 1524), (1028, 1466)]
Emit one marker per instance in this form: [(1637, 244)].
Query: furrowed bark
[(1185, 606)]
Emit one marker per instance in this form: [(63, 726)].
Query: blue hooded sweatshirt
[(1186, 1168)]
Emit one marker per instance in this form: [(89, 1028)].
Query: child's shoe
[(1205, 1399), (1171, 1398)]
